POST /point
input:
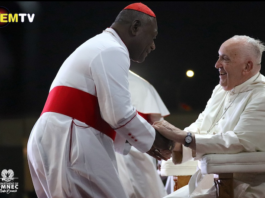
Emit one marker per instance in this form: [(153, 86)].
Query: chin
[(138, 61), (226, 88), (224, 85)]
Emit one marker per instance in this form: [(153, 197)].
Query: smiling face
[(143, 42), (232, 64)]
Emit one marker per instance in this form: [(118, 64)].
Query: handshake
[(168, 137)]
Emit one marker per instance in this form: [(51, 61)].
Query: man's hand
[(155, 153), (169, 131), (173, 133), (162, 147)]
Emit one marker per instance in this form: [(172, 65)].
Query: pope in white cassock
[(88, 114), (232, 122), (137, 170)]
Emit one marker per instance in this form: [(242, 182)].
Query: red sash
[(79, 105)]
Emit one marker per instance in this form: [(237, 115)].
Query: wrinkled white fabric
[(138, 170), (124, 176), (99, 67), (240, 129), (145, 98)]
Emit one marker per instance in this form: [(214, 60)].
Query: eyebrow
[(222, 55)]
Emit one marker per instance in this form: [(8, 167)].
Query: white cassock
[(71, 152), (137, 170), (232, 122)]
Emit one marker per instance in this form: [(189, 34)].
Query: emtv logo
[(6, 17)]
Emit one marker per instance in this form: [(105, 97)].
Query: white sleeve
[(247, 135), (110, 73)]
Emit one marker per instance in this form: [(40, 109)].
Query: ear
[(248, 67), (136, 24)]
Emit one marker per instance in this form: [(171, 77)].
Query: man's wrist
[(192, 145), (180, 139), (180, 136), (188, 139)]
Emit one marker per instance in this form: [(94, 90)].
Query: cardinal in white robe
[(88, 114)]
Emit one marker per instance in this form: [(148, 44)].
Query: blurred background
[(189, 36)]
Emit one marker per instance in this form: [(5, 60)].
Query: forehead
[(232, 48), (152, 26)]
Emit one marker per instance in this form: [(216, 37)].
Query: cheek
[(144, 47), (229, 69), (234, 77)]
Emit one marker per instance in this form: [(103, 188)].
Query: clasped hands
[(168, 138)]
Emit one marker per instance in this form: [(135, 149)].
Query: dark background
[(190, 34)]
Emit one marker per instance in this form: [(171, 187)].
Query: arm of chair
[(168, 168), (233, 163), (224, 165)]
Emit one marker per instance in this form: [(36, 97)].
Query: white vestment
[(137, 170), (75, 160), (232, 122)]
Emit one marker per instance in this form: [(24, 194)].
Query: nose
[(153, 46), (218, 64)]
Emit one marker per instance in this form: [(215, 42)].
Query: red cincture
[(79, 105)]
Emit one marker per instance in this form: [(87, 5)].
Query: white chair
[(224, 165)]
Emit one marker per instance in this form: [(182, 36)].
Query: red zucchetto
[(141, 8)]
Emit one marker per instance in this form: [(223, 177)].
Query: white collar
[(116, 36), (243, 87)]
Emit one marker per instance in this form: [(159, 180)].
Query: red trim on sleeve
[(143, 115), (127, 122)]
